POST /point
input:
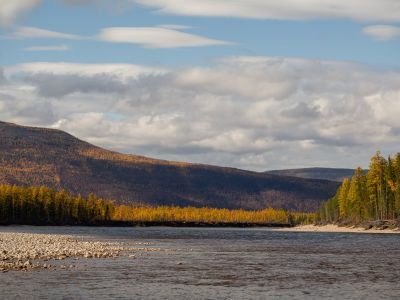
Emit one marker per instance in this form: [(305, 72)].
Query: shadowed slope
[(38, 156), (333, 174)]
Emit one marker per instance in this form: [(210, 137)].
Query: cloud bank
[(360, 10), (248, 112)]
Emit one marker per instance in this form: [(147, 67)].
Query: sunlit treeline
[(42, 205), (208, 215), (46, 206), (300, 218), (374, 195)]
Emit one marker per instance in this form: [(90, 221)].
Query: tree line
[(210, 215), (46, 206), (367, 196)]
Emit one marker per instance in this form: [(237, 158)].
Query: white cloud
[(361, 10), (155, 37), (2, 77), (114, 5), (163, 36), (382, 32), (11, 9), (81, 2), (247, 112), (46, 48), (122, 71), (38, 33), (60, 79), (175, 26)]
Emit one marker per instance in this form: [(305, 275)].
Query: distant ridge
[(333, 174), (41, 156)]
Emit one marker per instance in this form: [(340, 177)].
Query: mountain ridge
[(333, 174), (51, 157)]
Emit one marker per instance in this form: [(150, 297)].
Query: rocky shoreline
[(25, 251)]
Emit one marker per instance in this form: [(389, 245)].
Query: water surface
[(220, 263)]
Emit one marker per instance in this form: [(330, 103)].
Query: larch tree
[(343, 198)]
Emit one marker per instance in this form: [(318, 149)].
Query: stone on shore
[(24, 251)]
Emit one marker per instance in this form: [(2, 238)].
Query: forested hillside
[(333, 174), (37, 156), (366, 197)]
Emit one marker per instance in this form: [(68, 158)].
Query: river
[(219, 263)]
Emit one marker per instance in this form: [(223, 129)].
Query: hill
[(333, 174), (40, 156)]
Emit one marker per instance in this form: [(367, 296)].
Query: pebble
[(23, 251)]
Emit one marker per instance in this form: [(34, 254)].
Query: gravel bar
[(25, 251)]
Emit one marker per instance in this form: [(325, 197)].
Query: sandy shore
[(23, 251), (336, 228)]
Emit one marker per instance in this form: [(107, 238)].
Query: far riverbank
[(167, 224), (336, 228)]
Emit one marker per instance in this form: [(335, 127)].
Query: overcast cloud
[(249, 112)]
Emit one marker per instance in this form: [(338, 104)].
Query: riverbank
[(189, 224), (112, 223), (336, 228), (24, 251)]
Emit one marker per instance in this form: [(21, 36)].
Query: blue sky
[(334, 39), (253, 84)]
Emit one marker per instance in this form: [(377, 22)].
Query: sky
[(252, 84)]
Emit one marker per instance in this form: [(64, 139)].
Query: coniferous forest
[(367, 196), (46, 206), (211, 216)]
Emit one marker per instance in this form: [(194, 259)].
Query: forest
[(210, 215), (46, 206), (367, 196)]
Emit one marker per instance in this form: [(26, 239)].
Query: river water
[(219, 263)]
